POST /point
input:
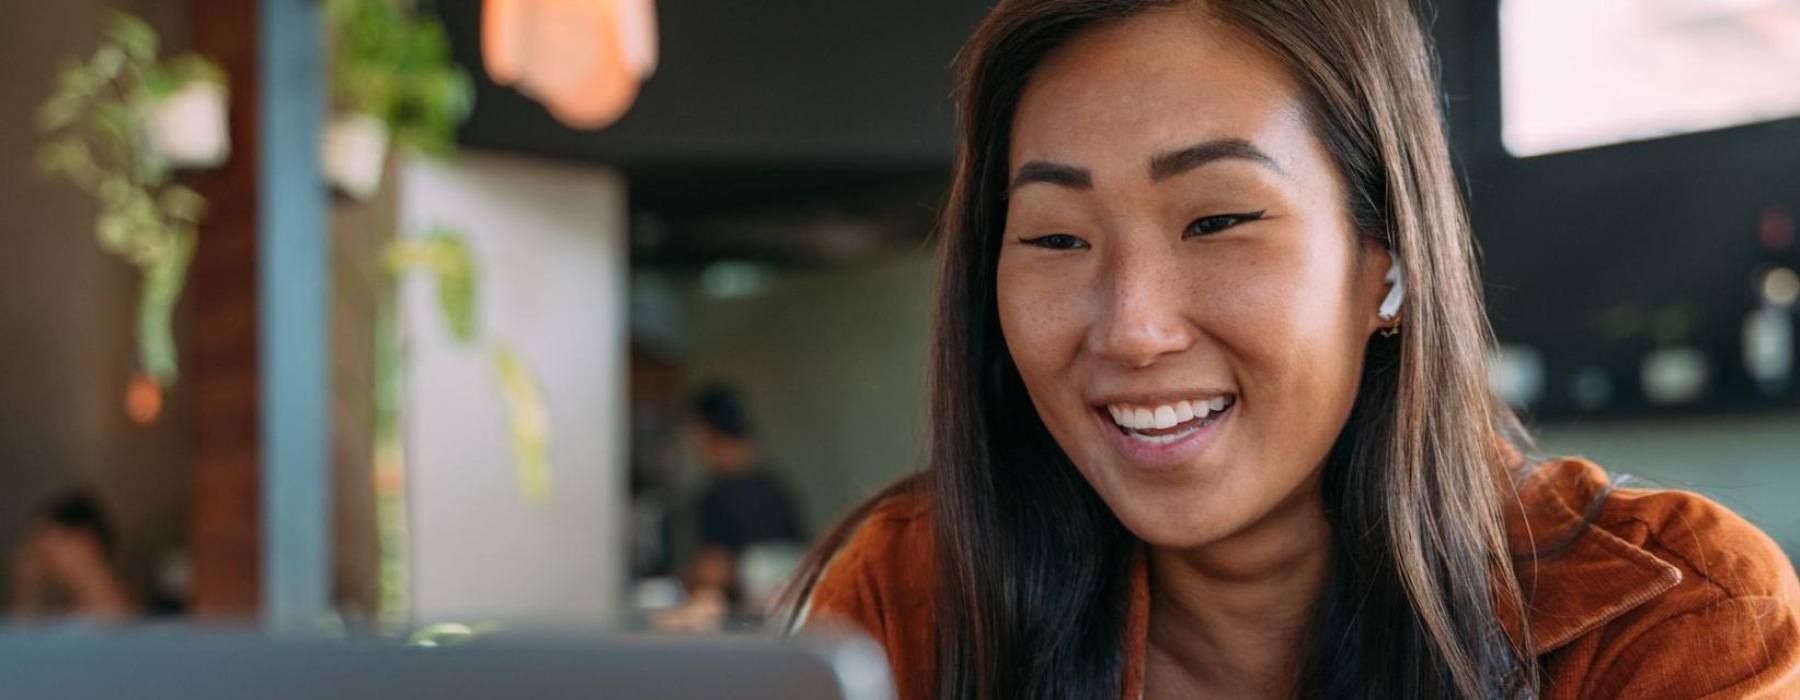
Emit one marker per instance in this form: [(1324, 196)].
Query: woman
[(1209, 412)]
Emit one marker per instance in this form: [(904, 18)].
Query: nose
[(1143, 315)]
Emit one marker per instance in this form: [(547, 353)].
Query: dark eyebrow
[(1162, 167), (1051, 173), (1175, 163)]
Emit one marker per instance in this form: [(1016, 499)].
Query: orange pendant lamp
[(583, 59)]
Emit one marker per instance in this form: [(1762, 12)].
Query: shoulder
[(882, 582), (1720, 554), (1713, 551), (1658, 592), (883, 570)]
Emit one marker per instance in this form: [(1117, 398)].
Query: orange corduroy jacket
[(1665, 595)]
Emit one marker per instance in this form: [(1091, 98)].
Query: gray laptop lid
[(140, 667)]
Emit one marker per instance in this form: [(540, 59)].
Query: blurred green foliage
[(527, 419), (451, 633), (395, 65), (443, 254), (94, 138)]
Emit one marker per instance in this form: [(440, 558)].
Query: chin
[(1178, 520), (1181, 535)]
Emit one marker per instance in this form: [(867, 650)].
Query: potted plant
[(393, 84), (118, 126), (188, 118)]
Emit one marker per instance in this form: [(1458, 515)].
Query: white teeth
[(1164, 439), (1165, 416)]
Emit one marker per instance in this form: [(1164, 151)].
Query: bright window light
[(1584, 73)]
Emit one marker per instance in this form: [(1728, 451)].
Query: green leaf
[(62, 156), (443, 253), (159, 83), (145, 229), (107, 63), (192, 67), (59, 111), (456, 297), (114, 191), (113, 231), (528, 422), (456, 284), (75, 79), (111, 122), (134, 36), (431, 44), (183, 204)]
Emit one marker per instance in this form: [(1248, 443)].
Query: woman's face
[(1179, 283)]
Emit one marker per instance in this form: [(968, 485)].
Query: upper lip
[(1157, 397)]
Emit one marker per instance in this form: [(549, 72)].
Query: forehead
[(1158, 80)]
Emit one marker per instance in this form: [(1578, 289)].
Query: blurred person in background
[(63, 570), (746, 515), (1209, 408)]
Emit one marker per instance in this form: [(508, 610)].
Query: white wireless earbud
[(1390, 307)]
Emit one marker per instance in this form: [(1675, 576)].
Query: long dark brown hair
[(1033, 566)]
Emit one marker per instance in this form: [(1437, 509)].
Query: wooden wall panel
[(227, 511)]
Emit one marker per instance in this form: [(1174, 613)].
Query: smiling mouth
[(1167, 423)]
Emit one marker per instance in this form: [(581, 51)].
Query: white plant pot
[(190, 127), (356, 147)]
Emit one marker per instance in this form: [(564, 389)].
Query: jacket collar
[(1574, 574)]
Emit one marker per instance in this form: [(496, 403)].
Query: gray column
[(295, 278)]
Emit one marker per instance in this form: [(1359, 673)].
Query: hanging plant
[(118, 126), (393, 85), (444, 256)]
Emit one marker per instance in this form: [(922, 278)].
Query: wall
[(66, 319), (1749, 464), (551, 245), (832, 365)]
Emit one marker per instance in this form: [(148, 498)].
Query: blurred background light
[(735, 279), (583, 59)]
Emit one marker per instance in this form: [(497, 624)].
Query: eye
[(1056, 241), (1209, 225)]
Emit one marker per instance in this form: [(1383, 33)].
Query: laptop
[(241, 667)]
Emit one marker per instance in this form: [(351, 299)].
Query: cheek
[(1044, 319), (1039, 317), (1295, 338)]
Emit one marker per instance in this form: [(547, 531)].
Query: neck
[(1232, 617)]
